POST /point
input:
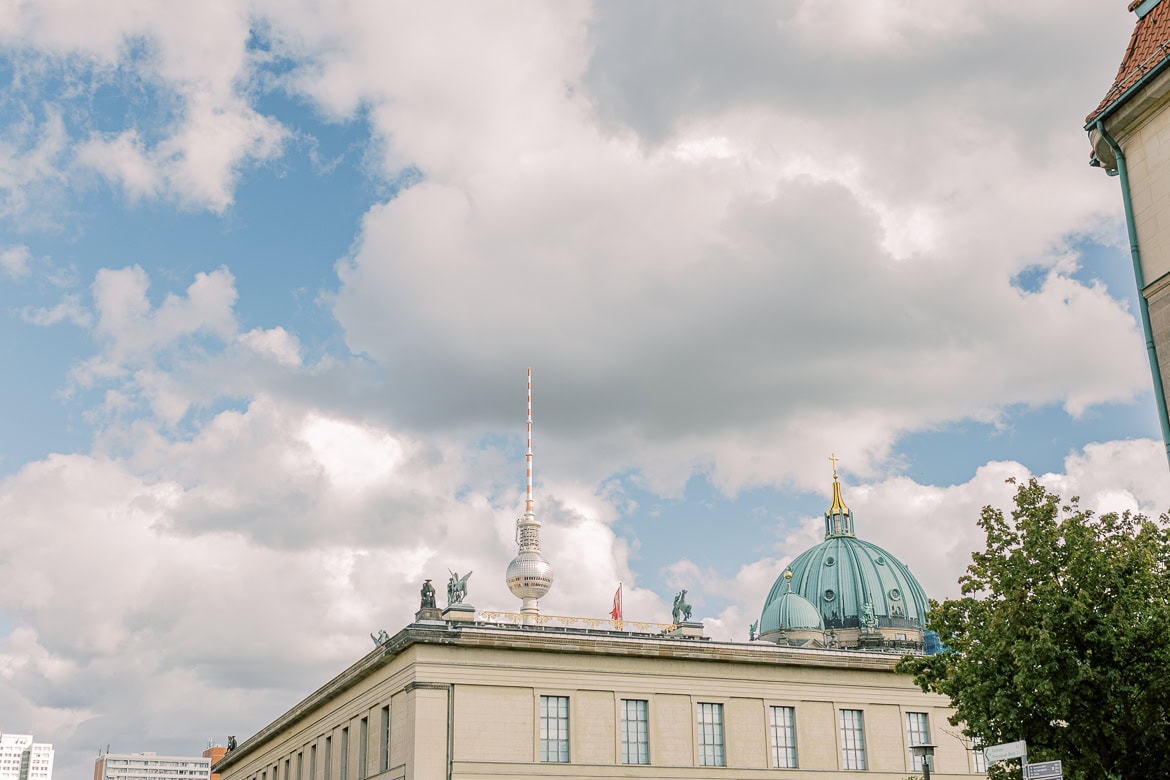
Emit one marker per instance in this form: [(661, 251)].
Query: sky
[(272, 273)]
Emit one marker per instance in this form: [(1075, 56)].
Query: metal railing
[(602, 624)]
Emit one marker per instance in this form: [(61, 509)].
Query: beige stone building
[(1130, 136), (487, 700)]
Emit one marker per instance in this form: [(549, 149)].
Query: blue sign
[(1042, 770)]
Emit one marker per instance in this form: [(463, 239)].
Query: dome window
[(830, 595), (830, 560), (880, 560), (895, 594)]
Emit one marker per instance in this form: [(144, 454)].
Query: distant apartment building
[(150, 766), (23, 759)]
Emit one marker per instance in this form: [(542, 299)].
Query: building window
[(978, 757), (363, 748), (782, 723), (301, 765), (918, 732), (313, 762), (635, 733), (287, 766), (554, 729), (328, 757), (344, 773), (711, 735), (852, 740), (384, 740)]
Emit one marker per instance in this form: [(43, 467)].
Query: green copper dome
[(843, 573), (790, 612), (850, 582)]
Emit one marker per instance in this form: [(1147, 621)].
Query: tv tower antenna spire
[(528, 455), (529, 575)]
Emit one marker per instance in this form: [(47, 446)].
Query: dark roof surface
[(1148, 47)]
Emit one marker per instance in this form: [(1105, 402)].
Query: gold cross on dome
[(833, 457)]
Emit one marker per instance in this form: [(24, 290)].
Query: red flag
[(616, 612)]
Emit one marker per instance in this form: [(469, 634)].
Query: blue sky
[(270, 278)]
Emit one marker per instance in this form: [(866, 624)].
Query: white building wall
[(40, 763), (151, 766), (23, 759)]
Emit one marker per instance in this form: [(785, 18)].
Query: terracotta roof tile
[(1148, 46)]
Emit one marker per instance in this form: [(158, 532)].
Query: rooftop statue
[(231, 743), (380, 638), (457, 588), (681, 613), (427, 596), (868, 620), (752, 629)]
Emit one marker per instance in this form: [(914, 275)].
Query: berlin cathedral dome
[(863, 595)]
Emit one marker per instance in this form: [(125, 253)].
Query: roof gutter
[(1135, 254), (1153, 73)]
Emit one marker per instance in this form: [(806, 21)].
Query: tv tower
[(529, 574)]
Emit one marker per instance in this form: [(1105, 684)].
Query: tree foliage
[(1061, 638)]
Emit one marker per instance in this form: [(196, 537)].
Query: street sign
[(1042, 770), (1006, 750)]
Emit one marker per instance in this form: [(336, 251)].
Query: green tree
[(1061, 638)]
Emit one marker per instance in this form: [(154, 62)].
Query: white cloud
[(69, 309), (831, 268), (123, 159), (1116, 476), (197, 58), (275, 344), (354, 458), (133, 327), (883, 26), (30, 153), (14, 262), (144, 349), (209, 149)]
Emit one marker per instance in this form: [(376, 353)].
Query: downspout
[(1135, 253), (450, 730)]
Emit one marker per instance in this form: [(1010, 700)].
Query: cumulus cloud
[(270, 520), (801, 253), (30, 162), (276, 344), (144, 348), (14, 261), (200, 63), (69, 309), (123, 159), (132, 326)]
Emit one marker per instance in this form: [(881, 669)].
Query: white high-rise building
[(150, 766), (23, 759)]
